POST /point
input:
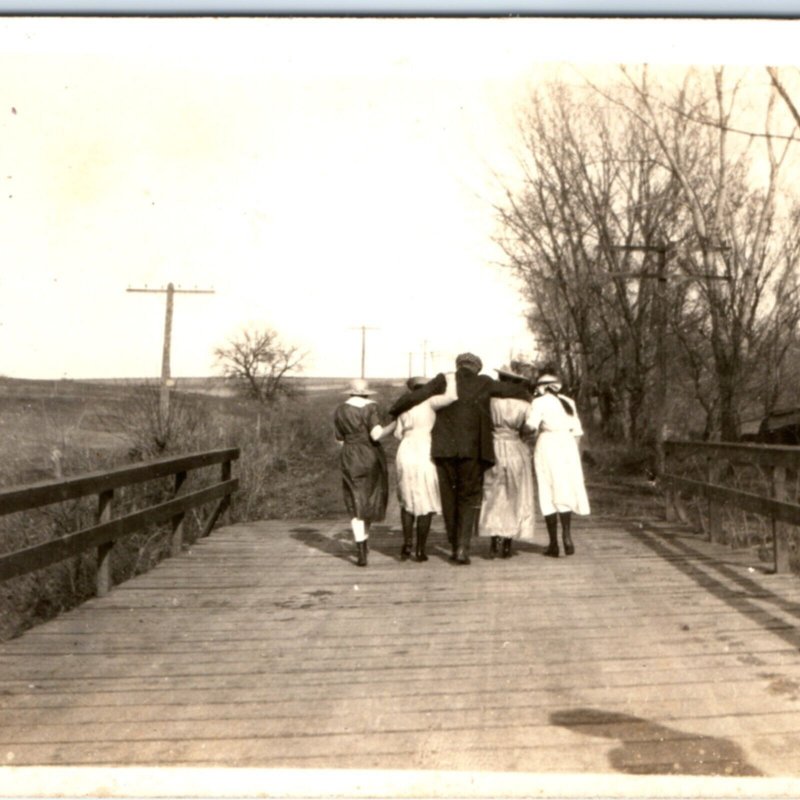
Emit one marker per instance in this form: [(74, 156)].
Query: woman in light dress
[(557, 459), (365, 478), (507, 510), (417, 481)]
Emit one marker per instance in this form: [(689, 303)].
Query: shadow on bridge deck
[(649, 652)]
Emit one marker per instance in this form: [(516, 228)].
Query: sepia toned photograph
[(399, 407)]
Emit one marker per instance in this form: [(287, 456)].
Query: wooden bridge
[(651, 652)]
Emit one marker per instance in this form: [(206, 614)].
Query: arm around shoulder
[(435, 386), (450, 394), (519, 391)]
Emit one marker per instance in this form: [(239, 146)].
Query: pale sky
[(318, 174)]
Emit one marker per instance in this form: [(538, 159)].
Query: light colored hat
[(469, 360), (360, 388), (548, 379)]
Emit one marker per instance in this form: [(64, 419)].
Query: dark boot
[(423, 528), (447, 490), (506, 547), (494, 546), (361, 547), (551, 520), (407, 520), (566, 520), (467, 522)]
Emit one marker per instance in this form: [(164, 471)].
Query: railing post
[(669, 494), (780, 539), (669, 504), (714, 518), (226, 474), (103, 579), (176, 542), (223, 504)]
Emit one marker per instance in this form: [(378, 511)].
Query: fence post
[(780, 543), (669, 493), (669, 504), (714, 517), (227, 472), (176, 542), (103, 579), (223, 504)]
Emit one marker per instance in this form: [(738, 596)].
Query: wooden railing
[(773, 505), (108, 529)]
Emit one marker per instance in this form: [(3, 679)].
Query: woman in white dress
[(417, 480), (507, 508), (559, 474)]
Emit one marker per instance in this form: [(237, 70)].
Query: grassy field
[(288, 468)]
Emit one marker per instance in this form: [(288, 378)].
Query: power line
[(363, 329), (170, 291)]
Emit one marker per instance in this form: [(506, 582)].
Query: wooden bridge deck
[(648, 652)]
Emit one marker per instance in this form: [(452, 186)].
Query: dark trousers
[(461, 489)]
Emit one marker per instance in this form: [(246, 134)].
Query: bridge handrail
[(106, 531), (776, 508), (35, 495), (764, 454)]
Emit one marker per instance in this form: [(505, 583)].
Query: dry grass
[(741, 530), (288, 468)]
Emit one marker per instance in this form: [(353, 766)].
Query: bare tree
[(642, 162), (783, 91), (258, 362), (725, 207), (592, 180)]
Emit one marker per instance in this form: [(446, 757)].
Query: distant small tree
[(258, 361)]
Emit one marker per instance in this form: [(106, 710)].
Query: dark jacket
[(464, 428)]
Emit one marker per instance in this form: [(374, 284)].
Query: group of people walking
[(465, 452)]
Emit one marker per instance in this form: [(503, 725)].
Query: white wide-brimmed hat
[(359, 388)]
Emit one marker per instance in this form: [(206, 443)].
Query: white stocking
[(359, 533)]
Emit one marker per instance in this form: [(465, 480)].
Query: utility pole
[(170, 291), (410, 364), (424, 358), (363, 329), (662, 250)]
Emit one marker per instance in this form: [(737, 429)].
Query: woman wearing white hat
[(365, 478), (556, 457)]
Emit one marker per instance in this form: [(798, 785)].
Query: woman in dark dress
[(365, 478)]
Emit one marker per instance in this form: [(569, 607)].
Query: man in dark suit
[(461, 444)]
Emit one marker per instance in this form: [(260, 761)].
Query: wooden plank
[(266, 646), (21, 498), (42, 555)]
